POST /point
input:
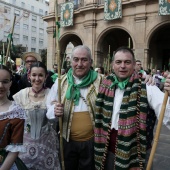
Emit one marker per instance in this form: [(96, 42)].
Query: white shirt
[(53, 95), (155, 99)]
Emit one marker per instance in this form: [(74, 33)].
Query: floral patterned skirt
[(41, 153)]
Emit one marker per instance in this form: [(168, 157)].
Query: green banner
[(164, 7), (67, 10), (112, 9)]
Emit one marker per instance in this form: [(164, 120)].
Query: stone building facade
[(30, 29), (140, 27)]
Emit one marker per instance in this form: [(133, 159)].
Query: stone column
[(146, 59), (140, 29), (89, 26)]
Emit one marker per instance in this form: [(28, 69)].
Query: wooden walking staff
[(59, 83), (9, 42), (158, 129)]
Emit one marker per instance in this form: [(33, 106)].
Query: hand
[(167, 84), (149, 80), (58, 109)]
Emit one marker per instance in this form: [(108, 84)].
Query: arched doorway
[(108, 42), (159, 48), (67, 38)]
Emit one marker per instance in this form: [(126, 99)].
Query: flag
[(164, 7), (112, 9), (67, 10)]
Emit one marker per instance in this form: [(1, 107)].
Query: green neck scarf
[(73, 91), (120, 84)]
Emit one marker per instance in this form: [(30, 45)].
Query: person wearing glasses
[(12, 118), (29, 58)]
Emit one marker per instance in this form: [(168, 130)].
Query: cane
[(59, 83)]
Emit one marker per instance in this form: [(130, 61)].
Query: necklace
[(3, 103), (36, 92)]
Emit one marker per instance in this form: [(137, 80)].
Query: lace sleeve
[(15, 148)]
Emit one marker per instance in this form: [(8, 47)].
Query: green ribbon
[(12, 45), (73, 91), (54, 77), (163, 80), (58, 25), (120, 84)]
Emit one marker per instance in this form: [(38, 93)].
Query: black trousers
[(79, 155)]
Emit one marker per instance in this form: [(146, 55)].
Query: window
[(41, 32), (32, 8), (16, 38), (26, 15), (33, 40), (34, 18), (41, 42), (46, 12), (17, 25), (25, 27), (41, 21), (7, 10), (6, 35), (22, 4), (33, 49), (40, 51), (17, 12), (33, 29), (13, 1), (25, 38), (41, 11)]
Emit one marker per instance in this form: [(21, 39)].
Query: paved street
[(162, 156)]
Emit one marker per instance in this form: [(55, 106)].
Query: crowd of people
[(108, 118)]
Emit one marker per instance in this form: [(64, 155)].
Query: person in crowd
[(40, 138), (101, 70), (12, 118), (153, 71), (121, 126), (66, 64), (165, 74), (106, 73), (55, 68), (29, 58), (55, 71), (139, 68), (157, 78), (79, 88)]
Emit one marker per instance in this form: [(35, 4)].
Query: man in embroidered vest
[(79, 89), (122, 117)]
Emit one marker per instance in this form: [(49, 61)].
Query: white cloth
[(155, 100), (53, 95)]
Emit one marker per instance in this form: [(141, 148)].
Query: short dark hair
[(124, 49), (138, 61), (3, 67), (39, 64)]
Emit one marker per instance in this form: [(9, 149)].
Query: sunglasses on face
[(30, 61)]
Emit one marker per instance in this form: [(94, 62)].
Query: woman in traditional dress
[(40, 138), (11, 126)]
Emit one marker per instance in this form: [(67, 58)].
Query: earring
[(8, 93), (44, 85)]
